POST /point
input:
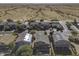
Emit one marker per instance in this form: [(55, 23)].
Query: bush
[(11, 45), (74, 33), (41, 20), (19, 28), (31, 20), (74, 39), (9, 20), (54, 20), (71, 38), (18, 22), (14, 33), (68, 25), (24, 50), (45, 32)]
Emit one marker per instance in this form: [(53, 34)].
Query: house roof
[(8, 23), (60, 40), (24, 38), (62, 43), (57, 25), (21, 36), (40, 25), (40, 36)]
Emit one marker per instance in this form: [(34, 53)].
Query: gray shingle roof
[(60, 40), (40, 36)]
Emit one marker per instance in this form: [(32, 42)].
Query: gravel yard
[(7, 38)]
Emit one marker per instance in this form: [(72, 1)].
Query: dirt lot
[(39, 11), (7, 38)]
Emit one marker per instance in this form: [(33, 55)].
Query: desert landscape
[(39, 11)]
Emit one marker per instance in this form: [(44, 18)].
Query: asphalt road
[(66, 32)]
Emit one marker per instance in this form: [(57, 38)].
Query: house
[(1, 26), (76, 23), (12, 25), (41, 45), (7, 26), (61, 43), (40, 25), (57, 25), (24, 38)]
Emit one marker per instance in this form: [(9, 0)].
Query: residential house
[(24, 38), (41, 45), (61, 43)]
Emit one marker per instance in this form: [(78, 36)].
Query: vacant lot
[(39, 11)]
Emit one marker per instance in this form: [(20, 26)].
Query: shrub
[(24, 50), (11, 45), (9, 20), (74, 32)]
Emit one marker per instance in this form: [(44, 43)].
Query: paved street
[(66, 32)]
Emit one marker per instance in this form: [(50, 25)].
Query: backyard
[(7, 38)]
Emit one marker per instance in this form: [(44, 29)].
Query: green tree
[(11, 45), (9, 20), (24, 50), (18, 22), (12, 48)]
